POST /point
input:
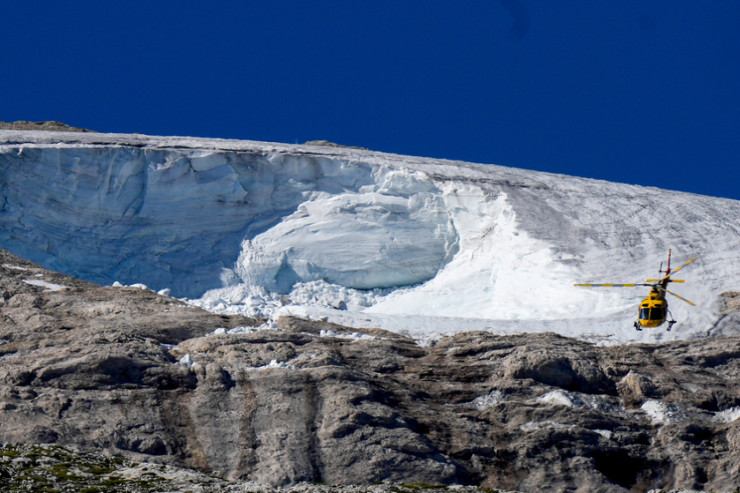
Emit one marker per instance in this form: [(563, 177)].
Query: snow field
[(421, 246)]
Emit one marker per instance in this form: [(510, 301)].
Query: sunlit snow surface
[(420, 246)]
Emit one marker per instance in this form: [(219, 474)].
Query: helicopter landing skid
[(670, 322), (638, 326)]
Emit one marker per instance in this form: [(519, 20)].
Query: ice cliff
[(364, 238)]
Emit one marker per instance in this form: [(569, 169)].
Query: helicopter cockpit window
[(655, 313)]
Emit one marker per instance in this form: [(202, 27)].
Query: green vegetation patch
[(57, 469)]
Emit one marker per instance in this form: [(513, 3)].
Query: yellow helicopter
[(654, 308)]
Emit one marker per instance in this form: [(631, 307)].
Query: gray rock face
[(54, 468), (123, 371)]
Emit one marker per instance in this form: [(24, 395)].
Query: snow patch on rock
[(728, 415), (487, 401), (49, 286), (663, 412), (273, 364)]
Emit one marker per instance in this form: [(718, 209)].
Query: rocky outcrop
[(729, 303), (50, 126), (53, 468), (729, 314), (127, 372)]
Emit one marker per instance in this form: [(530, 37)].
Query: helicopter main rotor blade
[(679, 268), (677, 296), (611, 285)]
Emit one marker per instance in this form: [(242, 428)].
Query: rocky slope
[(50, 126), (127, 372), (52, 468)]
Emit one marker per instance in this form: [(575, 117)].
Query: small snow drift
[(362, 238)]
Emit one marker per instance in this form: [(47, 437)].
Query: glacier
[(421, 246)]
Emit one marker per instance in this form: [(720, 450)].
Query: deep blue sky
[(635, 91)]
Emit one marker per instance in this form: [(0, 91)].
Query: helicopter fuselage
[(653, 309)]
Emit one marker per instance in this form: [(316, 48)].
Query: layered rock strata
[(126, 372)]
